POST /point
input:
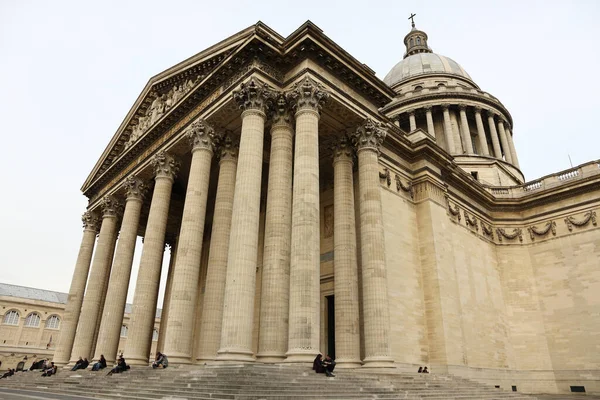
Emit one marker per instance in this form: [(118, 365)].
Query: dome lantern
[(416, 40)]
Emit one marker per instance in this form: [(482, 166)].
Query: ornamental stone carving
[(201, 135), (165, 165), (342, 148), (369, 135), (281, 110), (254, 95), (135, 188), (227, 147), (110, 207), (90, 221), (307, 94)]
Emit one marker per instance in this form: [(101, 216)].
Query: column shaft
[(305, 298), (164, 316), (494, 135), (448, 131), (238, 308), (347, 324), (504, 142), (511, 145), (430, 126), (90, 310), (103, 299), (146, 290), (412, 120), (465, 131), (274, 304), (184, 292), (216, 274), (481, 134), (68, 325)]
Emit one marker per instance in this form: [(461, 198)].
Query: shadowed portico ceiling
[(212, 74)]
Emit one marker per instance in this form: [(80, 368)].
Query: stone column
[(368, 139), (481, 133), (511, 145), (216, 273), (116, 296), (70, 318), (429, 117), (90, 310), (143, 311), (448, 129), (504, 141), (238, 308), (164, 316), (304, 311), (494, 135), (412, 120), (274, 304), (184, 292), (464, 130), (347, 324)]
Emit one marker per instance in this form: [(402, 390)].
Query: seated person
[(101, 364), (318, 364), (420, 370), (84, 364), (425, 370), (50, 370), (161, 360), (329, 365), (120, 367), (8, 373), (37, 364), (77, 364)]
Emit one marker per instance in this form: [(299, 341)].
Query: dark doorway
[(331, 326)]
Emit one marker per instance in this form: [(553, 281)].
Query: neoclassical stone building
[(309, 206)]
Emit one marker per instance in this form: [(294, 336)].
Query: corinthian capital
[(165, 165), (369, 135), (254, 95), (135, 188), (227, 148), (342, 149), (90, 221), (307, 94), (201, 135), (281, 110), (110, 207)]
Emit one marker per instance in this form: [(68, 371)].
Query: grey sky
[(69, 72)]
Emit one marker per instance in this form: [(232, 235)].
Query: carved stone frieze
[(307, 94), (453, 210), (471, 220), (135, 188), (201, 135), (534, 230), (90, 221), (111, 207), (254, 95), (369, 135), (487, 230), (587, 217), (227, 146), (517, 233), (400, 186), (386, 175), (165, 165)]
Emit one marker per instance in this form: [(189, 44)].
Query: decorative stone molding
[(201, 135), (90, 221), (343, 148), (501, 232), (477, 109), (369, 135), (165, 165), (487, 230), (281, 110), (445, 106), (471, 220), (587, 217), (110, 207), (307, 94), (400, 186), (386, 175), (254, 95), (533, 230), (454, 211), (135, 188), (227, 146)]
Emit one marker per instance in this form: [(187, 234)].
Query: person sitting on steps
[(8, 373), (425, 370), (120, 367), (161, 361), (77, 364), (318, 364), (50, 370), (420, 370), (329, 365), (101, 364)]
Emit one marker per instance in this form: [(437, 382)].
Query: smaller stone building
[(30, 322)]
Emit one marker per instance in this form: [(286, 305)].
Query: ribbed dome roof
[(423, 63)]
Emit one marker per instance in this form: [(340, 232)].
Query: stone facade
[(386, 222)]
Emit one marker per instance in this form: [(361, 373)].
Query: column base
[(301, 356), (137, 361), (347, 364), (270, 357), (179, 359), (235, 355), (379, 362)]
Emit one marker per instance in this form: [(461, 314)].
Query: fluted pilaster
[(148, 279)]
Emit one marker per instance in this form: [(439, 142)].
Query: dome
[(423, 63)]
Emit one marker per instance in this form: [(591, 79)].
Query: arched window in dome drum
[(418, 40), (411, 42)]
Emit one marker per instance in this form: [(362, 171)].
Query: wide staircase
[(251, 382)]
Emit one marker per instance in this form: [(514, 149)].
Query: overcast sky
[(70, 71)]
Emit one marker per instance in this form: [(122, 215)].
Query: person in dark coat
[(8, 373), (329, 365), (50, 370), (318, 364), (77, 364), (101, 364), (120, 367)]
